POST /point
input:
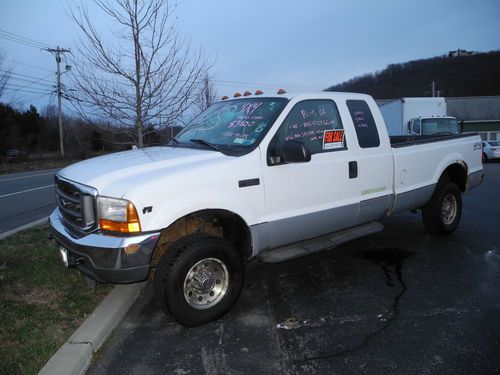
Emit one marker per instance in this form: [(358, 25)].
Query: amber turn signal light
[(132, 225)]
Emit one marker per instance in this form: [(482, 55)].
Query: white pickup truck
[(274, 177)]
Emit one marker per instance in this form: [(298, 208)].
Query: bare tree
[(150, 71), (206, 94), (5, 71)]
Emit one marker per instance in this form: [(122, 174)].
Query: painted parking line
[(26, 191)]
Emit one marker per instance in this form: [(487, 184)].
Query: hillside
[(474, 75)]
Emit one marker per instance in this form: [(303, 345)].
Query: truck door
[(374, 160), (309, 199)]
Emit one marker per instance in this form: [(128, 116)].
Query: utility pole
[(57, 52), (433, 89), (206, 90)]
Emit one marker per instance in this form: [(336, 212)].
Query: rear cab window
[(364, 123)]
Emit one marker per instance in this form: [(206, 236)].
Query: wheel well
[(213, 222), (457, 173)]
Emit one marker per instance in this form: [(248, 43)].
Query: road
[(25, 197), (397, 302)]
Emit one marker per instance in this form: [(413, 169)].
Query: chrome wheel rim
[(449, 209), (206, 283)]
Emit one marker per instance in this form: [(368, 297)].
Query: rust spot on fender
[(179, 229)]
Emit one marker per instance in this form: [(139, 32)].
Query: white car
[(491, 150)]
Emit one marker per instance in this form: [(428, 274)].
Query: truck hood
[(113, 175)]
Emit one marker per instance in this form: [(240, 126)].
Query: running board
[(314, 245)]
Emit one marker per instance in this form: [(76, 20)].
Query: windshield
[(439, 125), (236, 124)]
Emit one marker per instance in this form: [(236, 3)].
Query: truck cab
[(433, 125)]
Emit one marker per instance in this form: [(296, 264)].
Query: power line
[(31, 66), (22, 39), (22, 75), (20, 42), (32, 99), (41, 96), (22, 90), (37, 81), (29, 82), (51, 98), (271, 88), (218, 81), (22, 85), (272, 85)]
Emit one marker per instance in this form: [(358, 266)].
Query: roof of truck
[(289, 96)]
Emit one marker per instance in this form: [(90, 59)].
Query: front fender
[(167, 215)]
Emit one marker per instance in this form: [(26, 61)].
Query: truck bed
[(398, 141), (419, 162)]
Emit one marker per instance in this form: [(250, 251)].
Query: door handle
[(353, 169)]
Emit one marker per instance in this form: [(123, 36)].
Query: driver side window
[(316, 123)]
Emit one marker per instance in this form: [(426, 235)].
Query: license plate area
[(64, 256)]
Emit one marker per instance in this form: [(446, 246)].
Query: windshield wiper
[(205, 143)]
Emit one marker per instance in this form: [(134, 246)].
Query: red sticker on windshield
[(333, 139)]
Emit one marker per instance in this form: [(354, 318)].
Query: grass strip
[(41, 302)]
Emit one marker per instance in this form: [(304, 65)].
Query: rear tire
[(441, 215), (198, 279)]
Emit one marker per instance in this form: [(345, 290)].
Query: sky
[(301, 46)]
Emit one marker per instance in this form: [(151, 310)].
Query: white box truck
[(418, 116)]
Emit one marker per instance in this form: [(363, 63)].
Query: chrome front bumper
[(106, 258)]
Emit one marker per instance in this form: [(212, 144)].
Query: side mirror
[(295, 152)]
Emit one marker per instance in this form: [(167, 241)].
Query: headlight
[(117, 215)]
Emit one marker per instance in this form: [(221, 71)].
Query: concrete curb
[(43, 220), (73, 358)]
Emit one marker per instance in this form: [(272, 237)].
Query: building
[(477, 114), (460, 52)]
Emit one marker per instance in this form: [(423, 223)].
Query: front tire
[(199, 279), (441, 215)]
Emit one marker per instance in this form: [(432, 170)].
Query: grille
[(76, 204)]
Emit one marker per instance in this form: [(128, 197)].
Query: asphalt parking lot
[(26, 197), (398, 302)]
